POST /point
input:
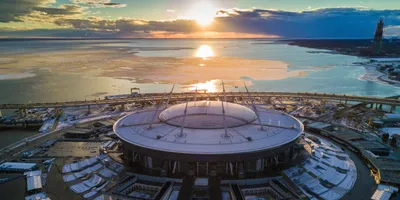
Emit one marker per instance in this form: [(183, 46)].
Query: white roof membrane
[(246, 136)]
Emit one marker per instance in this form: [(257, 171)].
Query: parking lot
[(74, 149)]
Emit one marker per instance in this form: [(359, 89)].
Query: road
[(151, 97)]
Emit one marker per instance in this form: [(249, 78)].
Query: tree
[(385, 137), (394, 141)]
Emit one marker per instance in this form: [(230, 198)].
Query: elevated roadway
[(151, 97)]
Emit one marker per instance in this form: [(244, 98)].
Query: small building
[(18, 166), (33, 183), (38, 196), (33, 180), (377, 123), (384, 192), (390, 118), (391, 131), (397, 136), (79, 133), (106, 123), (374, 146), (108, 145)]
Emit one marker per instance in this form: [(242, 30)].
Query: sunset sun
[(203, 12)]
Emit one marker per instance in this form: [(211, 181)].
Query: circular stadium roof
[(207, 115), (203, 132)]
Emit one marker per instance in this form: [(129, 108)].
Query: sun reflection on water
[(208, 86), (204, 51)]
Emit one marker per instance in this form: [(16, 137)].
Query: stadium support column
[(148, 163), (231, 169), (165, 168), (237, 170), (291, 153), (392, 108), (197, 168), (259, 165), (207, 169), (241, 170), (175, 166), (1, 115)]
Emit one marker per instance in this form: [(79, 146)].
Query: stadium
[(209, 138)]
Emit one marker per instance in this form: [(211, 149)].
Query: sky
[(198, 18)]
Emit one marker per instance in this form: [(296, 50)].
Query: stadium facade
[(209, 138)]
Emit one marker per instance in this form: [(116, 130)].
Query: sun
[(203, 12)]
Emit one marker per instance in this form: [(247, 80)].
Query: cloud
[(62, 10), (11, 10), (170, 11), (113, 5), (392, 31), (35, 10), (317, 23), (130, 25), (99, 3), (62, 33)]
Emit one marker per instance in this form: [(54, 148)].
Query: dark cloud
[(87, 24), (131, 25), (99, 3), (15, 10), (11, 10), (63, 10), (67, 33), (71, 33), (321, 23)]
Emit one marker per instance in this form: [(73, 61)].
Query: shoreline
[(373, 74), (351, 47), (16, 76), (358, 48)]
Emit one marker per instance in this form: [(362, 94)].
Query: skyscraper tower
[(377, 45)]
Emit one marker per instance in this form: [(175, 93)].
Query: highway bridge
[(151, 97)]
